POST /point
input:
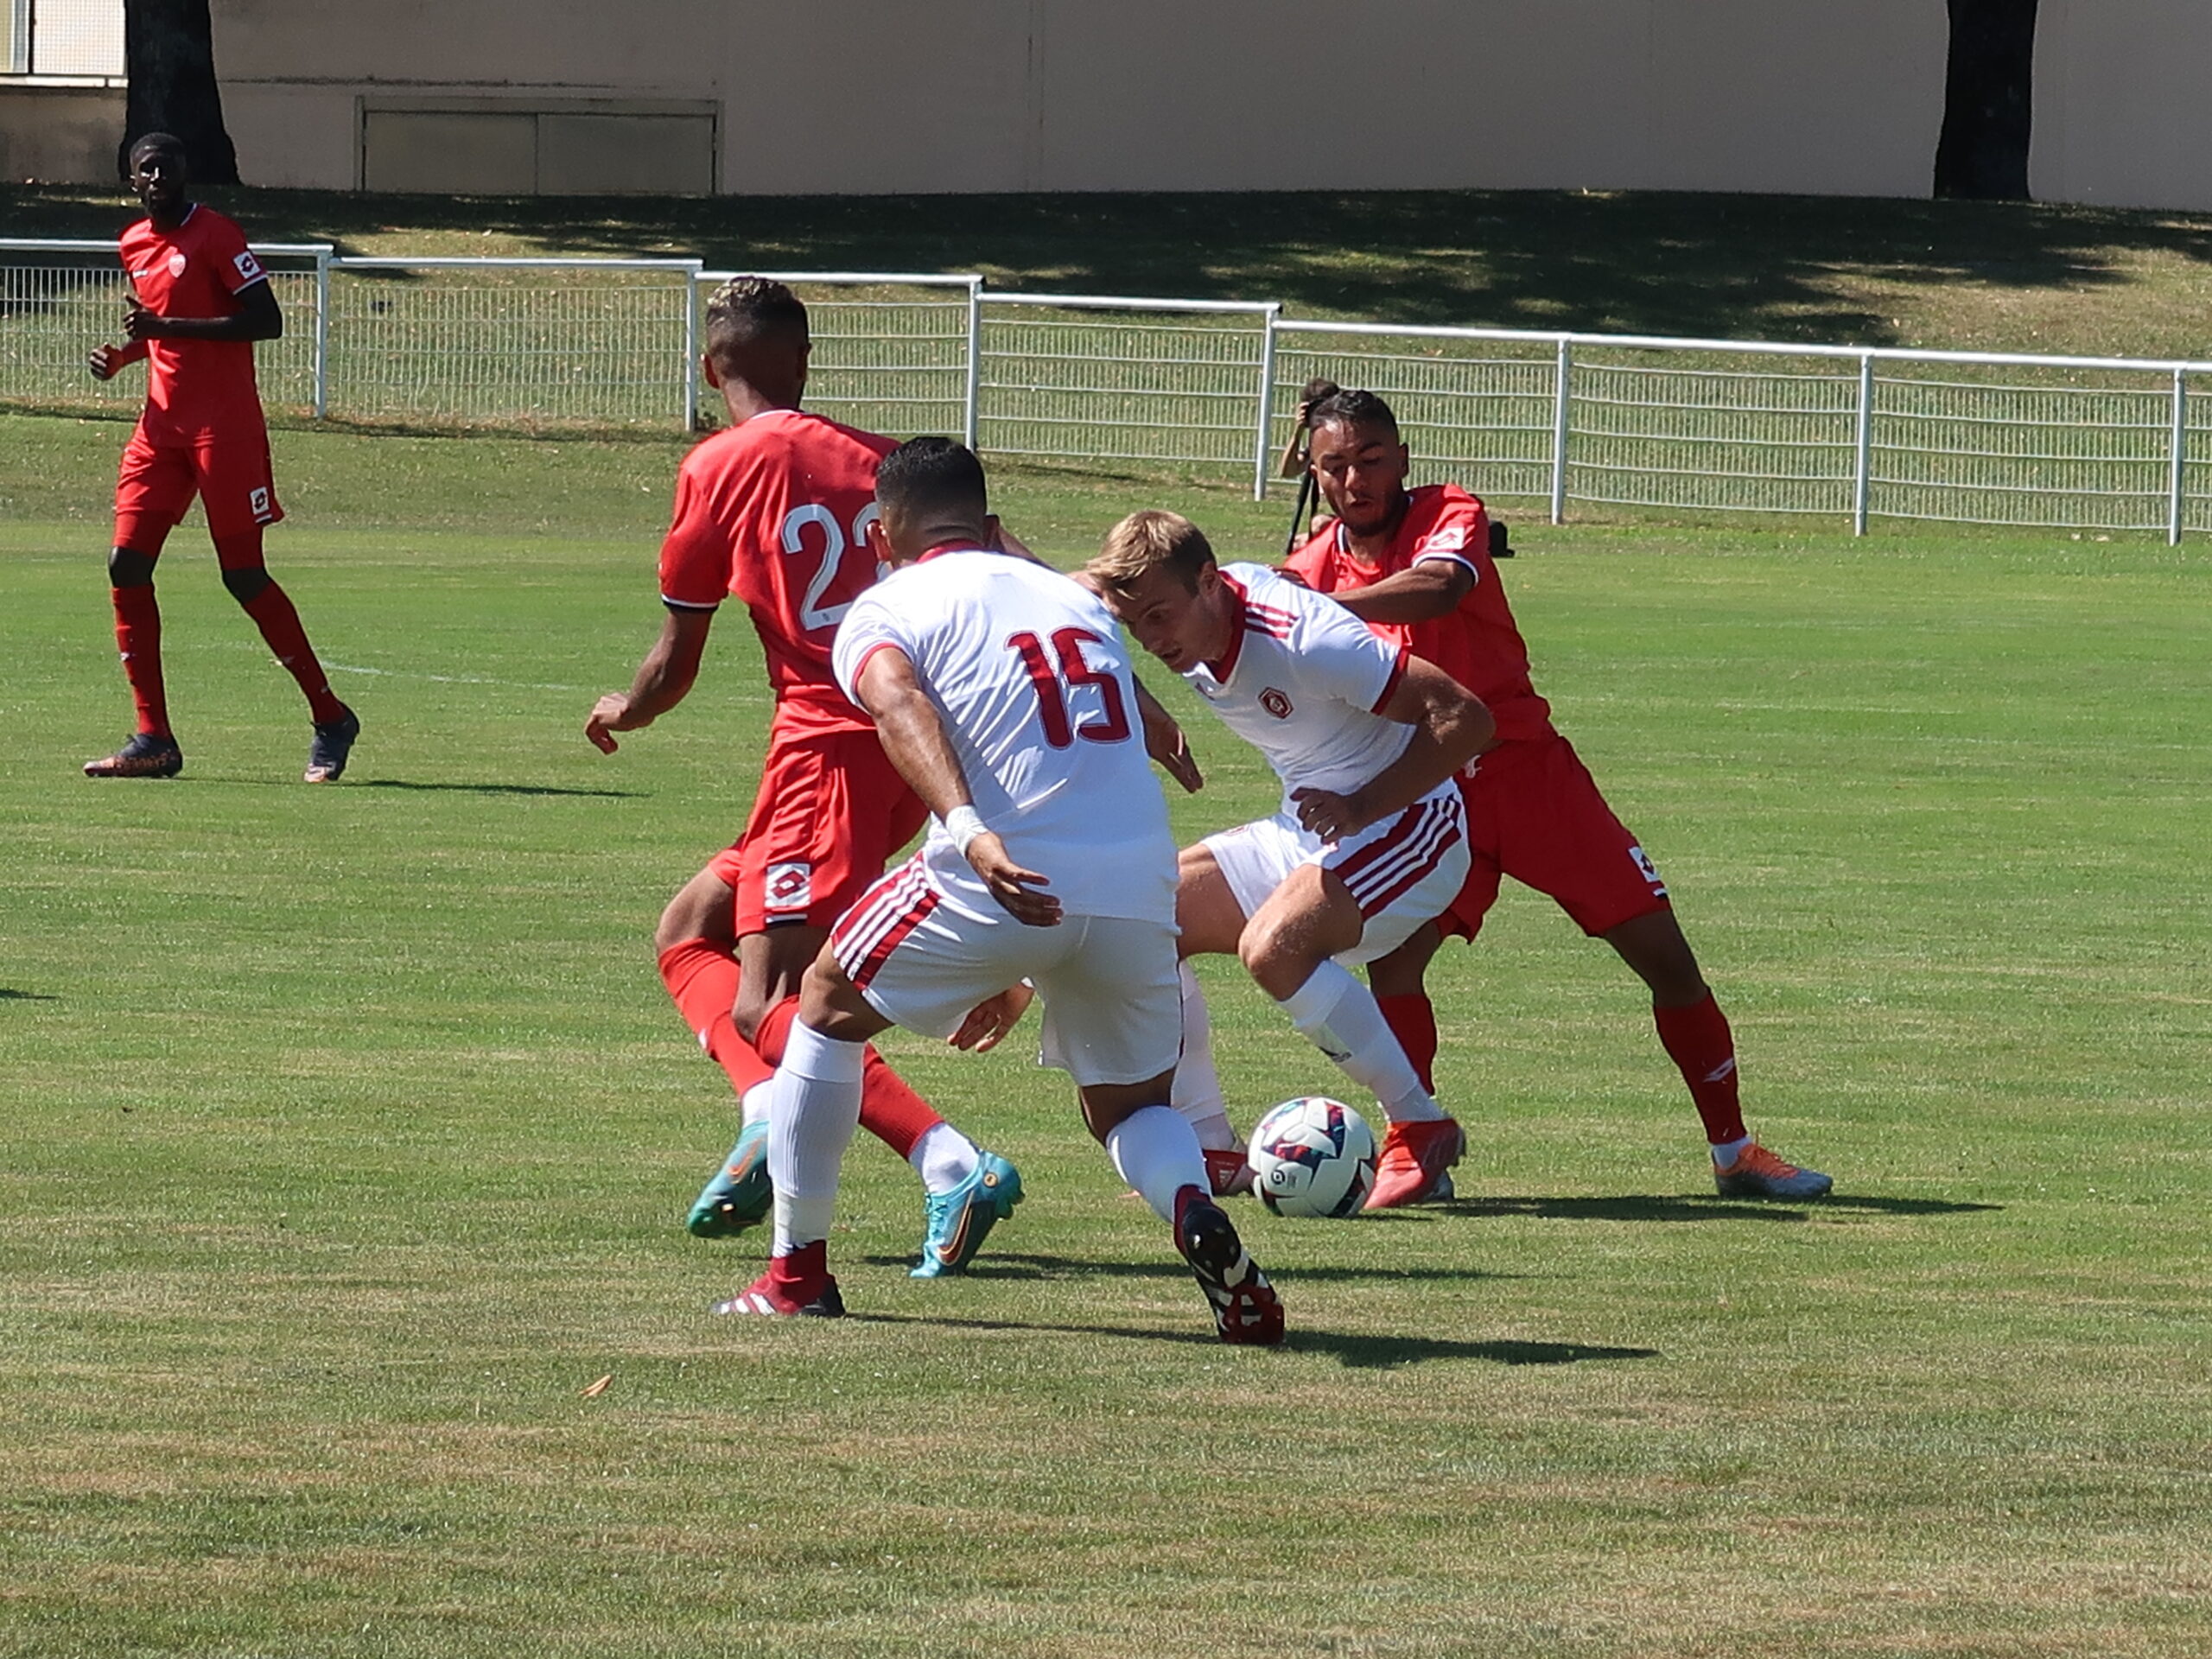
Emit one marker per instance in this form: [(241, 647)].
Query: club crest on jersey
[(1275, 703), (790, 886), (176, 262)]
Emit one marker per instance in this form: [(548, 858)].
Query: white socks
[(943, 1157), (1726, 1152), (1198, 1085), (817, 1108), (1155, 1152), (754, 1106), (1338, 1013)]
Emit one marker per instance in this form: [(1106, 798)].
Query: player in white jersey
[(1003, 696), (1370, 844)]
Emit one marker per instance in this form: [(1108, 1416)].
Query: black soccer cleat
[(1245, 1307), (143, 756), (334, 741)]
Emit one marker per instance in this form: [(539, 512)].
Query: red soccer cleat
[(1246, 1310), (1416, 1164), (1227, 1172), (795, 1285)]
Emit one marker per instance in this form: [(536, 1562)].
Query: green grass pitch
[(346, 1134)]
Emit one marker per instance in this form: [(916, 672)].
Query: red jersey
[(777, 512), (1475, 642), (195, 389)]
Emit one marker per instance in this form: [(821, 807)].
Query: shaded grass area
[(1982, 275), (344, 1134)]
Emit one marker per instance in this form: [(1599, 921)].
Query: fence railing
[(1552, 418)]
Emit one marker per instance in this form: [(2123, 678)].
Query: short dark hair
[(748, 309), (164, 141), (1356, 409), (925, 476)]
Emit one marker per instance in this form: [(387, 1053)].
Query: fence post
[(1565, 376), (691, 348), (1260, 445), (323, 333), (2178, 470), (971, 400), (1862, 468)]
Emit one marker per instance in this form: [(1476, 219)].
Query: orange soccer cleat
[(1415, 1167)]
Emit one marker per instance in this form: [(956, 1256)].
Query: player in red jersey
[(775, 511), (1415, 566), (199, 300)]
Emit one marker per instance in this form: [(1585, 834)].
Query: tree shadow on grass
[(1365, 1353), (1020, 1266), (1693, 1207), (499, 789)]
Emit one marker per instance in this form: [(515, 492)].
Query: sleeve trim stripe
[(1459, 559), (1390, 686), (690, 604)]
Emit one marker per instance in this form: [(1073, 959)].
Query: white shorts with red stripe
[(1112, 1005), (1403, 871)]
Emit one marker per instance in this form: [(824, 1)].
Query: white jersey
[(1302, 684), (1030, 676)]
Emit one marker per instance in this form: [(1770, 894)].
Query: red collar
[(943, 548), (1227, 666)]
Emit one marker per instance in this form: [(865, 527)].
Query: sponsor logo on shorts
[(1275, 703), (176, 262), (790, 886), (1651, 872), (258, 500)]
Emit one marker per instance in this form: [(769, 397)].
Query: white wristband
[(963, 824)]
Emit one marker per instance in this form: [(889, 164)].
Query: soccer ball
[(1312, 1156)]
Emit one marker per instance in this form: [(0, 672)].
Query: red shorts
[(831, 812), (230, 476), (1534, 813)]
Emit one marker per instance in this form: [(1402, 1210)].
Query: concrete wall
[(884, 95), (59, 134), (2122, 116)]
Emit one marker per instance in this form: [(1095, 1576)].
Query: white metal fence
[(1555, 419)]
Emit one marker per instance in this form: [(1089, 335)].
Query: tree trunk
[(1987, 97), (169, 51)]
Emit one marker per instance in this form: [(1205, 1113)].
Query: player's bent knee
[(831, 1004), (247, 583), (704, 908), (1106, 1105), (128, 568)]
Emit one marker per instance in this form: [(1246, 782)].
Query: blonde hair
[(1145, 541)]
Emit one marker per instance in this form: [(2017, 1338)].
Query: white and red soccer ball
[(1312, 1156)]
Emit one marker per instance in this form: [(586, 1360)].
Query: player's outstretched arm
[(913, 733), (257, 318), (1450, 727), (663, 679), (1424, 592)]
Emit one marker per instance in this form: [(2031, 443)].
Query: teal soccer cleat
[(959, 1221), (739, 1197)]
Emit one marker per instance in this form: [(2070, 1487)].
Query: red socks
[(279, 623), (138, 637), (1411, 1020), (701, 977), (1697, 1039)]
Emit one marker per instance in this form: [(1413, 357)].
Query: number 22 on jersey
[(1052, 699), (813, 615)]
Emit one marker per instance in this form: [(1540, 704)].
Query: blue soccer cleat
[(959, 1221), (739, 1197)]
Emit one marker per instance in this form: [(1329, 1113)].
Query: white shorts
[(1403, 871), (1112, 1005)]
